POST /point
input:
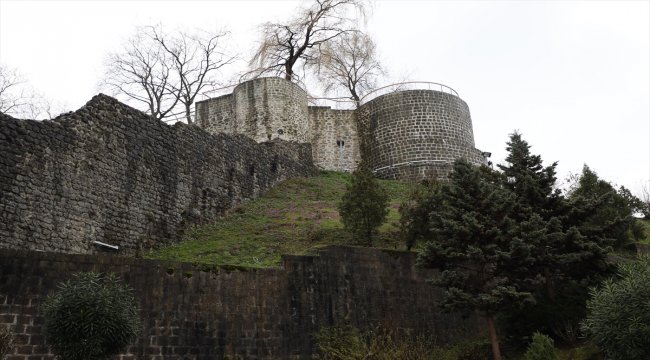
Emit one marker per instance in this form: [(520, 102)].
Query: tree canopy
[(478, 246), (286, 44), (504, 239)]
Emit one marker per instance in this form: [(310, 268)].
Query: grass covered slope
[(296, 217)]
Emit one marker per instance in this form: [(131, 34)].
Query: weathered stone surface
[(263, 109), (220, 313), (335, 141), (416, 134), (110, 173), (413, 134)]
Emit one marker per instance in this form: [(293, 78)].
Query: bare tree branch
[(196, 59), (284, 46), (350, 62), (160, 70), (20, 100)]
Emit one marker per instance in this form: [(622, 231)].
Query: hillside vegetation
[(296, 217)]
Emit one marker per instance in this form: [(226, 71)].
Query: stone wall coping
[(399, 87), (272, 78)]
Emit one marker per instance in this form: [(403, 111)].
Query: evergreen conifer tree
[(364, 206), (478, 246), (532, 182)]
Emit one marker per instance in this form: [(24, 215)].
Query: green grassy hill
[(296, 217)]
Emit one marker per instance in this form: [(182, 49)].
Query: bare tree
[(285, 45), (143, 72), (350, 62), (19, 99), (645, 200), (196, 57), (16, 98), (161, 71)]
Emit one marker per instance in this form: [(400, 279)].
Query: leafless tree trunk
[(285, 45), (161, 71), (494, 339), (350, 62), (144, 73)]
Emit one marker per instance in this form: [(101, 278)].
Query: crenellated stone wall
[(221, 313), (112, 174)]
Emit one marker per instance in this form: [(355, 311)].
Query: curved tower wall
[(270, 108), (416, 134)]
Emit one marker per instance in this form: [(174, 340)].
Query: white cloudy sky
[(572, 76)]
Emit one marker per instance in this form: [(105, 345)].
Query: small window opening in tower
[(280, 131), (340, 143)]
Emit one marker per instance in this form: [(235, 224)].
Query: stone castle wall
[(263, 109), (411, 134), (112, 174), (416, 134), (335, 141), (271, 108), (215, 115), (218, 313)]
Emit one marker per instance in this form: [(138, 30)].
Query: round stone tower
[(416, 134), (271, 108)]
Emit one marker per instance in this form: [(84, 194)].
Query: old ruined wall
[(112, 174), (216, 115), (416, 134), (334, 140), (271, 108), (189, 313)]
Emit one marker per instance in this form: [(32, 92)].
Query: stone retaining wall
[(221, 313)]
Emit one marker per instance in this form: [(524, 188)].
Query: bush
[(91, 316), (6, 342), (541, 348), (341, 343), (559, 317), (348, 343), (618, 317)]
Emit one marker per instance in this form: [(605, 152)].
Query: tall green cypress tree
[(478, 246), (364, 206)]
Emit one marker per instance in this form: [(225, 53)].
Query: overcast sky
[(572, 77)]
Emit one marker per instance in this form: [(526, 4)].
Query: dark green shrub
[(91, 316), (6, 342), (559, 317), (587, 351), (618, 319), (348, 343), (341, 343), (473, 350), (541, 348)]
